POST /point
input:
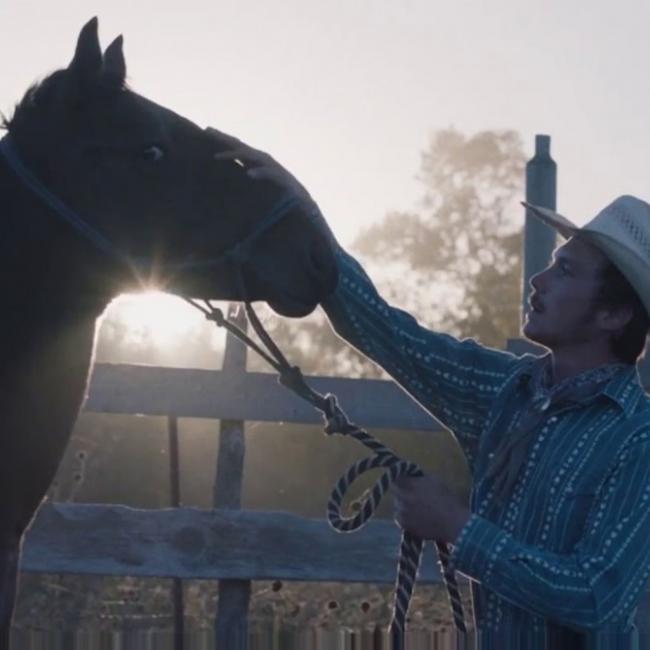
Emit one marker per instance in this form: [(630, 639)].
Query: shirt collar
[(624, 388)]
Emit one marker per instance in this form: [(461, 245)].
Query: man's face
[(562, 298)]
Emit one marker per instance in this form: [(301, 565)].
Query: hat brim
[(631, 265), (565, 227)]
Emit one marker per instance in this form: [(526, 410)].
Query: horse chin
[(292, 308)]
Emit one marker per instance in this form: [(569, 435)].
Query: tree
[(459, 250), (461, 245)]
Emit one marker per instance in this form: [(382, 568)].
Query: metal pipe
[(541, 189)]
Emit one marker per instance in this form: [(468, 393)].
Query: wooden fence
[(226, 543)]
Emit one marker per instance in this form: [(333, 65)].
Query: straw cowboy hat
[(621, 231)]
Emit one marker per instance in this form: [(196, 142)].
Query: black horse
[(103, 191)]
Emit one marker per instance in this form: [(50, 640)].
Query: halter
[(292, 378), (238, 253)]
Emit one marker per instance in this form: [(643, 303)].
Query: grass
[(103, 605)]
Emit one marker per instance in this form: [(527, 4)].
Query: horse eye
[(153, 153)]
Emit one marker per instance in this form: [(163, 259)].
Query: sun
[(159, 318)]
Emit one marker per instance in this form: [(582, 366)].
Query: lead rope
[(337, 422)]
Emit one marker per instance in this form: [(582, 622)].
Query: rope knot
[(291, 377), (216, 316), (336, 420)]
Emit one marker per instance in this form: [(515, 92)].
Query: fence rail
[(251, 396), (193, 543)]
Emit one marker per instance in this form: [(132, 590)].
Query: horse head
[(151, 187)]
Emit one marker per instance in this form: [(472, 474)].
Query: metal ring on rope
[(411, 547)]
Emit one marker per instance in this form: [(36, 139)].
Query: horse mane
[(34, 96), (39, 93), (20, 107)]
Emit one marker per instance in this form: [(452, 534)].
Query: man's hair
[(628, 343)]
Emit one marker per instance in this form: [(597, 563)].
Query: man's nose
[(537, 281)]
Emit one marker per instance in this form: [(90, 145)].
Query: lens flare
[(158, 318)]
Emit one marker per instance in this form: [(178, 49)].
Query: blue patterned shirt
[(571, 546)]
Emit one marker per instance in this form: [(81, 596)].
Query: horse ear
[(87, 60), (114, 65)]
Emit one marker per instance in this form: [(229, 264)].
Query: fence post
[(175, 490), (541, 189), (234, 595)]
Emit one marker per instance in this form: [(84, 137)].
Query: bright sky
[(347, 92)]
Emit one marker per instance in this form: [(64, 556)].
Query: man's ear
[(615, 318)]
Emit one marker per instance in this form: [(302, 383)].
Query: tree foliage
[(460, 247)]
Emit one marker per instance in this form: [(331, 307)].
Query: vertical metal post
[(234, 595), (175, 488), (541, 189)]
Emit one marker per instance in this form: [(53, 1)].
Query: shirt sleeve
[(455, 380), (600, 582)]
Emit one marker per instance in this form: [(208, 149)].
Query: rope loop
[(369, 502)]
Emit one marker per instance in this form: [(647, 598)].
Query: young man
[(555, 539)]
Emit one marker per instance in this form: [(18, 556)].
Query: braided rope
[(411, 547)]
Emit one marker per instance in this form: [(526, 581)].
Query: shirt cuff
[(477, 547)]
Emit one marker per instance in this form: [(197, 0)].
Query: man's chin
[(537, 339), (530, 332)]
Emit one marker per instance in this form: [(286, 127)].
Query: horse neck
[(38, 273)]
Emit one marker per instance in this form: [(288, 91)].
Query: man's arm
[(601, 581), (456, 381)]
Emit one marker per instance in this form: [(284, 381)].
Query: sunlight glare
[(159, 317)]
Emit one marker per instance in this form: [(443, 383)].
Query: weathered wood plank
[(195, 543), (175, 502), (149, 390), (231, 622)]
